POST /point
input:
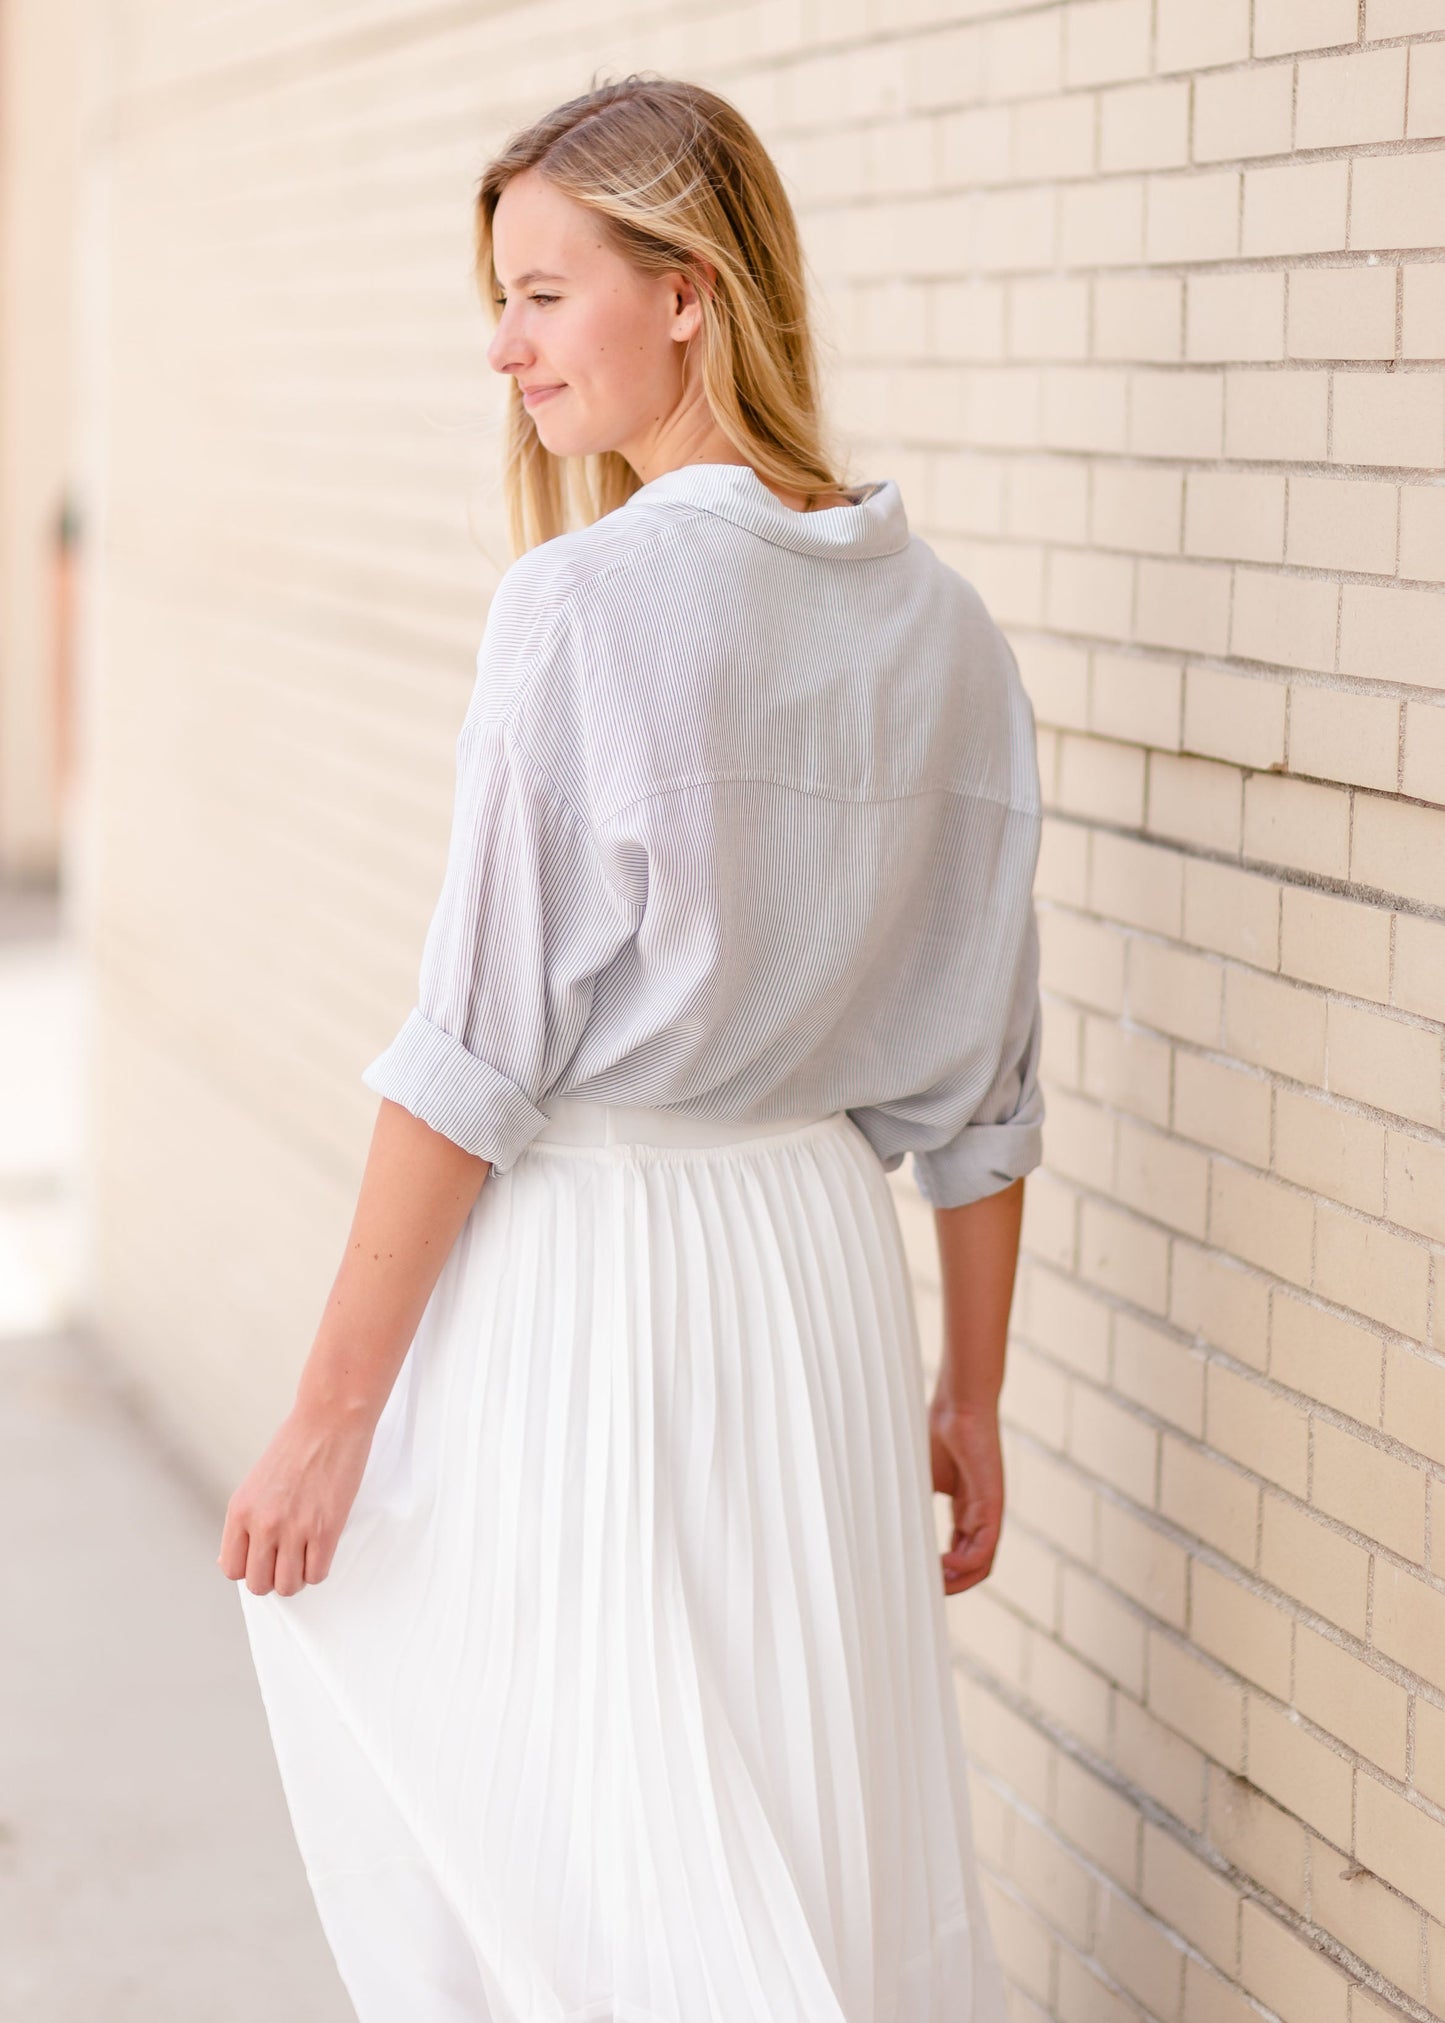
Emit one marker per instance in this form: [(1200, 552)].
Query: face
[(579, 319)]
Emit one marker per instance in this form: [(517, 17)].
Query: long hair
[(677, 177)]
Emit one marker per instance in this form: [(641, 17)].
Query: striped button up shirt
[(746, 820)]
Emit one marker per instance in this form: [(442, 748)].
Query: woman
[(590, 1581)]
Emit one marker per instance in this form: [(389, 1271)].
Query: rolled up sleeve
[(525, 923), (1003, 1140)]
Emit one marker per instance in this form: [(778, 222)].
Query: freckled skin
[(574, 325)]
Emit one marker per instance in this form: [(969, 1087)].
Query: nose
[(508, 351)]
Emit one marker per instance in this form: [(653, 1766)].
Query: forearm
[(978, 1248), (416, 1193)]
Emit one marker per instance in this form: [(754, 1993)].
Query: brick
[(1396, 200), (1101, 224), (1415, 1179), (1070, 1694), (1113, 1443), (1222, 1302), (1235, 716), (1280, 416), (1046, 499), (1103, 1630), (1427, 91), (944, 67), (1245, 1631), (1331, 1150), (1208, 1998), (1101, 778), (1423, 320), (1303, 1774), (1137, 508), (1141, 1956), (1340, 523), (1297, 822), (1053, 137), (1423, 531), (1325, 1356), (1049, 1496), (1085, 1998), (1181, 604), (1284, 1971), (1276, 1025), (1315, 1564), (1160, 1177), (1163, 1375), (1176, 414), (1370, 1489), (1289, 620), (1381, 1059), (1128, 1070), (1424, 770), (1259, 1428), (1082, 959), (1342, 312), (1282, 26), (1144, 126), (1373, 1271), (1137, 696), (1048, 318), (1106, 40), (1402, 1843), (1034, 1396), (1138, 316), (1235, 317), (1196, 1699), (1027, 1571), (1298, 207), (1234, 515), (1335, 734), (1142, 1562), (1189, 37), (1013, 228), (1262, 1221), (1194, 800), (1136, 882), (1099, 1820), (1335, 942), (1191, 217), (1160, 1763), (1023, 55), (1388, 418), (1175, 990), (1338, 1691), (1408, 1623), (1350, 101), (1257, 1836), (1399, 847), (1415, 1401), (1008, 1746), (1419, 965), (1089, 592), (1191, 1896), (1241, 113), (1211, 1499), (967, 319), (1222, 1106), (1234, 912), (1048, 1873), (1356, 1908), (1123, 1255), (1024, 1943), (1430, 1750)]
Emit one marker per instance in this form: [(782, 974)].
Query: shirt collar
[(876, 525)]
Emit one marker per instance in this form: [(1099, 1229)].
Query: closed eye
[(501, 300)]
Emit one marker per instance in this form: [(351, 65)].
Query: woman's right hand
[(284, 1520)]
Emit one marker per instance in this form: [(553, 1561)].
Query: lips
[(532, 394)]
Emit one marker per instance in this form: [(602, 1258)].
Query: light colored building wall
[(1143, 304), (41, 62)]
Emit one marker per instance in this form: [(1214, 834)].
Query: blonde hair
[(677, 177)]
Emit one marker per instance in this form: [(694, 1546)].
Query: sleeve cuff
[(465, 1098), (983, 1159)]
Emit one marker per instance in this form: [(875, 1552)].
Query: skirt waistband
[(581, 1120)]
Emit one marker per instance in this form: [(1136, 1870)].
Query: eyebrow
[(532, 274)]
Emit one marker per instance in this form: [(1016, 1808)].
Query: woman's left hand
[(284, 1521), (967, 1461)]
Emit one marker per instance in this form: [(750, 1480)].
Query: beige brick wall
[(1143, 304)]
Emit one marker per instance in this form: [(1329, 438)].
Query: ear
[(687, 320)]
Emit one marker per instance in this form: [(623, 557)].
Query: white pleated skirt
[(627, 1697)]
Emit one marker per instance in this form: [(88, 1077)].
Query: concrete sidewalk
[(147, 1868)]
